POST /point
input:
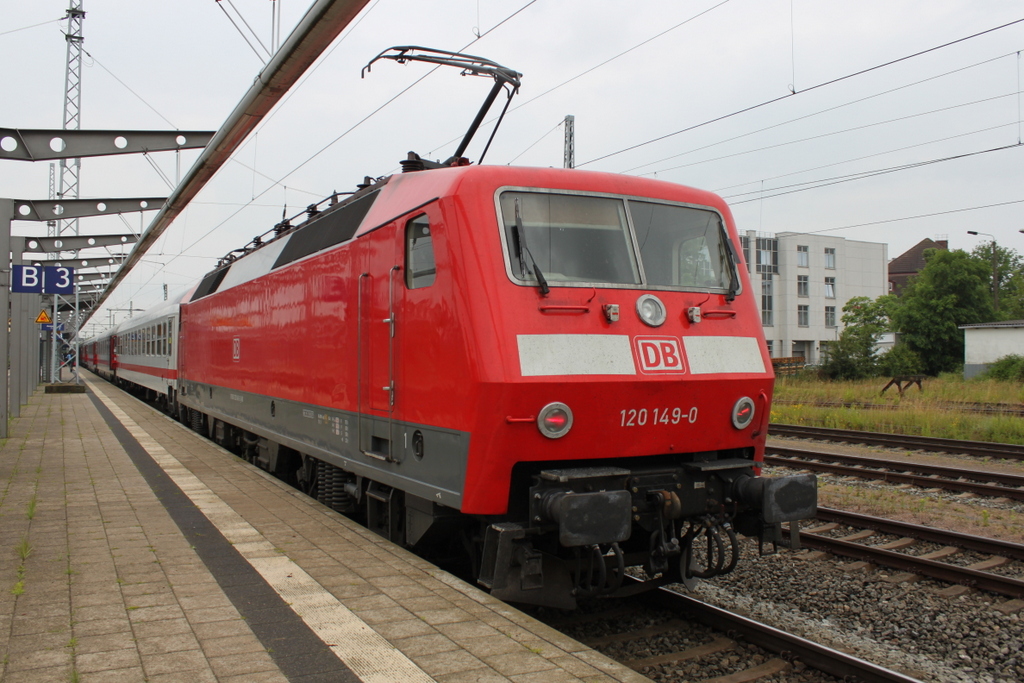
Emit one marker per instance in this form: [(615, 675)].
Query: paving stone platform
[(131, 549)]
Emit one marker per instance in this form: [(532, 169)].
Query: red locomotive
[(562, 371)]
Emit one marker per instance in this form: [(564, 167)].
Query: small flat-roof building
[(985, 343)]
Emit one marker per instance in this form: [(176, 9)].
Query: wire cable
[(557, 126), (920, 215), (254, 34), (100, 64), (283, 178), (822, 111), (812, 88), (870, 174), (255, 51), (760, 191), (598, 66), (838, 132), (25, 28)]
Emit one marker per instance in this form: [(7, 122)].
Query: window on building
[(767, 255), (769, 343), (767, 312), (803, 316), (830, 288), (803, 285), (830, 258), (830, 316), (802, 255), (745, 243), (825, 348), (419, 254)]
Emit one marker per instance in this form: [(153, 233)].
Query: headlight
[(743, 413), (651, 310), (554, 420)]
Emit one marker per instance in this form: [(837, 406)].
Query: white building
[(985, 343), (805, 280)]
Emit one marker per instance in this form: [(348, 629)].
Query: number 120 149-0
[(641, 417)]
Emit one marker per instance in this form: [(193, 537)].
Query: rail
[(924, 565), (909, 442), (926, 476)]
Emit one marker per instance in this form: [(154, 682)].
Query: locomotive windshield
[(570, 238), (605, 240)]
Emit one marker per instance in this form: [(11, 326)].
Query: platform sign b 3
[(43, 280)]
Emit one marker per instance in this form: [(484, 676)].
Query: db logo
[(659, 354), (236, 349)]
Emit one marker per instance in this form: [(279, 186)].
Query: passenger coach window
[(419, 254)]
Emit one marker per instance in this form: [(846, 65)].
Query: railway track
[(936, 564), (979, 482), (919, 443), (673, 639)]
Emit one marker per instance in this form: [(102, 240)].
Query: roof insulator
[(412, 163)]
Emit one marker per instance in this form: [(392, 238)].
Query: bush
[(1007, 369), (900, 360)]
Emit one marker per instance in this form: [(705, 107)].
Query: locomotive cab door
[(399, 268), (380, 294)]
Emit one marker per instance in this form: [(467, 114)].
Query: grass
[(30, 511), (24, 548), (920, 508), (931, 412)]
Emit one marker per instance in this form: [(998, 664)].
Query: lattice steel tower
[(71, 168)]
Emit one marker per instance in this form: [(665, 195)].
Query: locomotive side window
[(681, 246), (419, 254), (568, 238)]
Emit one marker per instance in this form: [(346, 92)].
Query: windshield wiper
[(524, 251), (733, 258)]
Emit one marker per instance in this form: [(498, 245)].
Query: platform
[(132, 549)]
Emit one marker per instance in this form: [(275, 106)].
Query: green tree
[(1008, 264), (952, 289), (853, 354), (1011, 296)]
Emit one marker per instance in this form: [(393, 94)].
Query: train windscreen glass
[(569, 238), (681, 246), (586, 239)]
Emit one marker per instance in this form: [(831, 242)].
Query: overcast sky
[(630, 72)]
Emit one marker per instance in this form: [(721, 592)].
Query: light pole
[(995, 267)]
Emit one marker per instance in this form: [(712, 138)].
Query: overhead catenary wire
[(761, 181), (242, 33), (281, 180), (604, 63), (812, 88), (821, 136), (825, 182), (255, 35), (25, 28), (826, 110), (916, 216), (128, 88), (539, 140)]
